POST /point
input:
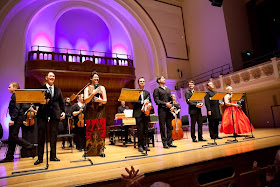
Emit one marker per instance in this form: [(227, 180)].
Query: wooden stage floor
[(64, 173)]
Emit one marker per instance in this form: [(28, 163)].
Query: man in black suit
[(52, 112), (162, 97), (195, 113), (142, 120), (213, 111), (17, 116)]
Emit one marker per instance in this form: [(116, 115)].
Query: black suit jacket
[(137, 106), (162, 96), (192, 105), (212, 105), (54, 107)]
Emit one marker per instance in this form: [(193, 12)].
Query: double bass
[(177, 132)]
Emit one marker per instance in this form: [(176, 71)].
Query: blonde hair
[(15, 85), (228, 88)]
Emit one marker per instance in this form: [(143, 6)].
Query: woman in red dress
[(241, 121)]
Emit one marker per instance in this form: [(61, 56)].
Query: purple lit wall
[(83, 30)]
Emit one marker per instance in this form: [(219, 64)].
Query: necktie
[(51, 91)]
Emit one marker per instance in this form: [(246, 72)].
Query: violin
[(70, 125), (146, 108), (29, 118), (81, 122), (177, 132)]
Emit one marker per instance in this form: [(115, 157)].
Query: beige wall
[(260, 103), (173, 65), (206, 34), (238, 30)]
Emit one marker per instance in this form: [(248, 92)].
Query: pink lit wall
[(83, 30)]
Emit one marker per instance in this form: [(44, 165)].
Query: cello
[(177, 131)]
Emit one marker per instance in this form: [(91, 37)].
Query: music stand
[(85, 151), (131, 95), (32, 96), (217, 96), (197, 97), (234, 97), (248, 137)]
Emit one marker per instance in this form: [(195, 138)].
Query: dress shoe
[(140, 149), (38, 162), (165, 146), (219, 137), (55, 159), (70, 145), (202, 140), (63, 146), (194, 140), (102, 155), (172, 145), (146, 149), (6, 160), (80, 150)]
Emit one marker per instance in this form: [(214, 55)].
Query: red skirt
[(241, 121)]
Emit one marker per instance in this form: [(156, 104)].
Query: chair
[(116, 130), (2, 142), (185, 123), (70, 135)]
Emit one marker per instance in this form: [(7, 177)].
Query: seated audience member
[(122, 107), (270, 175)]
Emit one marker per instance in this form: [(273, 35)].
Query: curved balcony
[(72, 72)]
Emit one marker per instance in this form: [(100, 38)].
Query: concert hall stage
[(188, 164)]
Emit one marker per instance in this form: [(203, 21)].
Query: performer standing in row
[(162, 97), (122, 107), (213, 111), (77, 112), (52, 111), (95, 96), (17, 116), (67, 122), (195, 113), (141, 112), (241, 122)]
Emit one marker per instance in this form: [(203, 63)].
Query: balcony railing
[(214, 73), (79, 56)]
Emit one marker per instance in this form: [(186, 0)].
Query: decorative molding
[(201, 87), (227, 81), (268, 69), (244, 80), (217, 84), (235, 78), (245, 76), (256, 73)]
